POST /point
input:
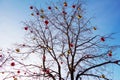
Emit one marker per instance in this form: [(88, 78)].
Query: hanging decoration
[(68, 51), (47, 71), (17, 50), (15, 78), (46, 22), (110, 53), (31, 31), (42, 11), (102, 76), (78, 8), (73, 6), (34, 38), (26, 28), (49, 8), (18, 71), (71, 45), (61, 62), (64, 12), (102, 39), (0, 55), (56, 7), (42, 17), (94, 28), (65, 4), (61, 54), (37, 13), (12, 64), (32, 14), (3, 72), (31, 7), (79, 16)]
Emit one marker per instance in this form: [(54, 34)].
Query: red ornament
[(31, 7), (26, 28), (18, 71), (102, 39), (73, 6), (71, 45), (110, 54), (47, 71), (46, 22), (12, 64), (49, 8)]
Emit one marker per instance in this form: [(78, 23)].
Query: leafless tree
[(60, 44)]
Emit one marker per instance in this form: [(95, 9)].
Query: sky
[(106, 15)]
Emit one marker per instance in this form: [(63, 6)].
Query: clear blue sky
[(12, 12)]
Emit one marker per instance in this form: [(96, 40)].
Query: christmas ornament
[(25, 28), (78, 8), (2, 72), (110, 53), (61, 62), (42, 11), (68, 51), (31, 7), (47, 71), (73, 6), (102, 76), (79, 16), (31, 31), (42, 16), (17, 50), (49, 8), (61, 54), (94, 28), (71, 45), (32, 14), (46, 22), (56, 7), (15, 78), (12, 64), (0, 55), (102, 39), (65, 4), (64, 12), (18, 71), (37, 13)]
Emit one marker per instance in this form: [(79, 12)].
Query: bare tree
[(60, 44)]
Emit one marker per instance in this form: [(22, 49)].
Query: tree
[(60, 45)]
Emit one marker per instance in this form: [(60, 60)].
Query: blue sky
[(12, 12)]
